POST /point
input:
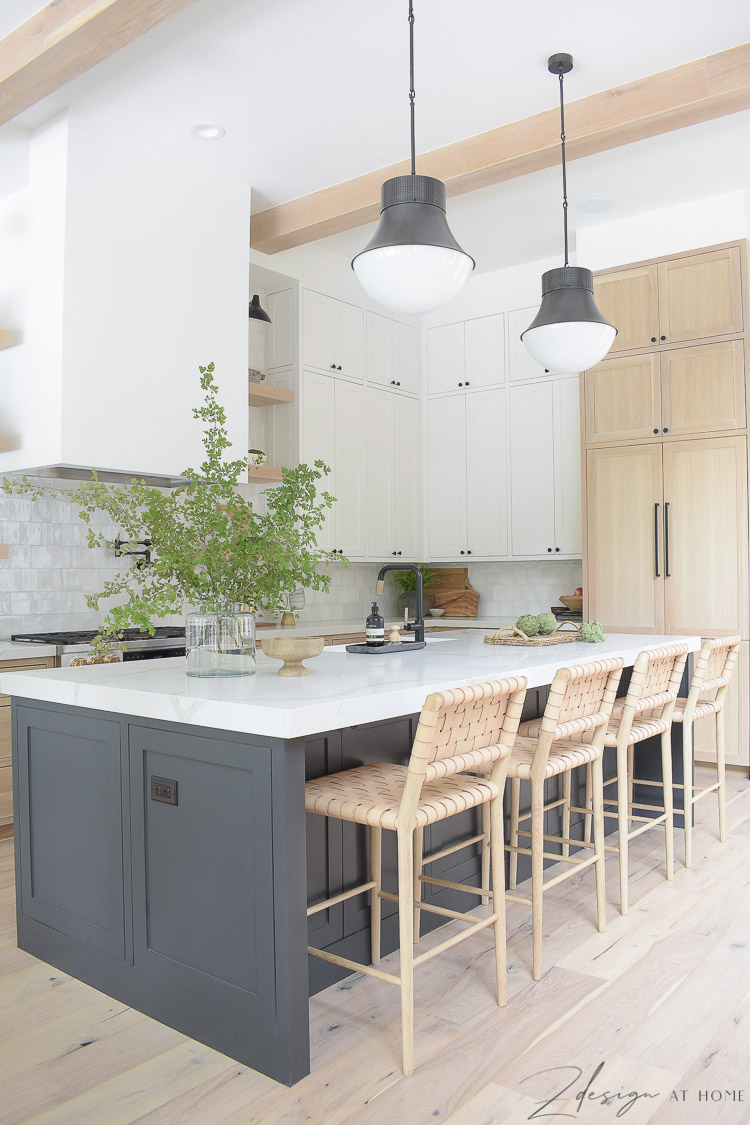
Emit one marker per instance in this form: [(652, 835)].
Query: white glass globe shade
[(412, 279), (570, 346)]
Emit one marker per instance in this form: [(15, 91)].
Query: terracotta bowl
[(292, 650)]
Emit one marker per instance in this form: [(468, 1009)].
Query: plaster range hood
[(107, 476)]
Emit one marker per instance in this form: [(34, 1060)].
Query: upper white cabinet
[(467, 354), (333, 421), (466, 477), (393, 477), (280, 332), (391, 353), (545, 468), (521, 367), (333, 336)]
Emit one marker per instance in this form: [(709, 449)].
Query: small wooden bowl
[(292, 650), (572, 601)]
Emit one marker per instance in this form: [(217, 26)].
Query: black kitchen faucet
[(417, 626)]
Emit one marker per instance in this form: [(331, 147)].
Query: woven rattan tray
[(510, 635)]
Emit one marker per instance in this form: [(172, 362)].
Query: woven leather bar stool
[(460, 732), (580, 702), (647, 710), (714, 667)]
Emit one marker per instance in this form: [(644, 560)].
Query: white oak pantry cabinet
[(665, 438)]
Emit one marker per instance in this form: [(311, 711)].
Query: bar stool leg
[(597, 796), (486, 825), (566, 811), (622, 822), (721, 774), (631, 783), (418, 846), (587, 805), (668, 799), (687, 792), (376, 867), (498, 895), (406, 945), (515, 799), (537, 873)]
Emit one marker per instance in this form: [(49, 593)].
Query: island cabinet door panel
[(319, 440), (350, 468), (703, 388), (623, 399), (625, 560), (705, 513), (532, 469), (629, 299), (380, 472), (700, 296), (72, 774), (486, 474), (446, 475), (203, 903), (406, 476)]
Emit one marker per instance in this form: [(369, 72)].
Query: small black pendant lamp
[(568, 334), (256, 312), (412, 264)]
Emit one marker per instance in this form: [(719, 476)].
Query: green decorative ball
[(528, 624), (592, 631), (547, 623)]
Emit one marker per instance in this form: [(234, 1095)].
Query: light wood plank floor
[(661, 1003)]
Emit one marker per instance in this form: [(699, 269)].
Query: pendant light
[(256, 311), (568, 334), (412, 264)]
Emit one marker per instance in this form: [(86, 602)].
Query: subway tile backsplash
[(49, 571)]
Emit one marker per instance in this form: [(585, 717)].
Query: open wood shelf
[(5, 338), (264, 474), (262, 395)]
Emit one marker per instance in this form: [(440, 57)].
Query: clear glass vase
[(220, 644)]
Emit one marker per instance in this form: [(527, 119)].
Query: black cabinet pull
[(549, 550), (666, 431), (664, 337), (468, 552), (398, 384), (460, 384), (463, 552), (398, 552), (466, 383), (666, 541), (393, 382), (333, 367), (546, 371), (653, 339), (656, 541), (339, 367), (557, 548), (656, 430)]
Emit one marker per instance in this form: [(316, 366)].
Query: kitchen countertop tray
[(381, 649)]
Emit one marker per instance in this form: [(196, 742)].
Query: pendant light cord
[(411, 88), (564, 173)]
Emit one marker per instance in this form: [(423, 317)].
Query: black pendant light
[(568, 334), (412, 264), (256, 312)]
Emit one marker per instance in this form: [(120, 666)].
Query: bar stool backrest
[(580, 699), (714, 667), (656, 679)]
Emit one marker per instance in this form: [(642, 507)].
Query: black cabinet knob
[(549, 550), (557, 549), (393, 552), (665, 430), (546, 371), (398, 552), (656, 431), (393, 382), (333, 367), (460, 384), (398, 384), (468, 552), (466, 384), (463, 552), (653, 339), (339, 367), (663, 337)]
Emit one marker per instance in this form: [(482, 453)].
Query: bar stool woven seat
[(563, 756), (372, 795), (701, 710)]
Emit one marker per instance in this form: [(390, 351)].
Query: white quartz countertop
[(357, 625), (15, 650), (342, 689)]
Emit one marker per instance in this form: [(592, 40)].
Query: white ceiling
[(311, 94)]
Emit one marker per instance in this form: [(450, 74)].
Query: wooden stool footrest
[(355, 966), (453, 848), (454, 886), (340, 898), (477, 926)]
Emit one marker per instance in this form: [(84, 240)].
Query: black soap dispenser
[(375, 628)]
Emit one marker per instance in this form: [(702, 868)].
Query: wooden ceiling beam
[(67, 37), (685, 95)]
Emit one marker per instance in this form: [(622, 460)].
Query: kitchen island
[(161, 847)]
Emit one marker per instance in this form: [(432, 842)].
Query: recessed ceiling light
[(591, 206), (207, 131)]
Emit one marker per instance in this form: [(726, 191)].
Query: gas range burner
[(86, 636)]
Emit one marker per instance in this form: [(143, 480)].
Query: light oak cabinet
[(467, 497), (333, 422), (393, 477), (391, 353), (545, 468), (690, 297), (6, 748), (679, 391), (667, 537), (333, 335), (469, 354)]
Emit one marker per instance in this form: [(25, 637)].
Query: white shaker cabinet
[(467, 479), (445, 358), (391, 353), (280, 332), (333, 335), (393, 477), (406, 357), (545, 468), (521, 366), (333, 421), (484, 351)]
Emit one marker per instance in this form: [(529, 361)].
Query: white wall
[(670, 230), (155, 257)]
